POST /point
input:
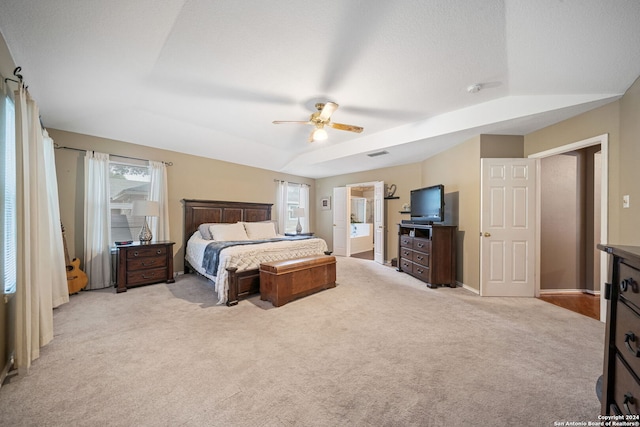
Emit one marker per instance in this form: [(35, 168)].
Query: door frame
[(603, 140), (373, 185)]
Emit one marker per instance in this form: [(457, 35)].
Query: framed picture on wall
[(325, 203)]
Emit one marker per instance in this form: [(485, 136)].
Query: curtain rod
[(57, 147), (18, 76), (296, 183)]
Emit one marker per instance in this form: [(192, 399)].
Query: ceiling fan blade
[(350, 128), (279, 122), (311, 136), (327, 111)]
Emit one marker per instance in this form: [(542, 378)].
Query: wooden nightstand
[(142, 264), (298, 234)]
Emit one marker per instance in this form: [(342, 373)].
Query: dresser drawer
[(406, 241), (421, 258), (422, 272), (146, 276), (422, 245), (626, 392), (629, 283), (628, 336), (146, 252), (406, 253), (406, 265)]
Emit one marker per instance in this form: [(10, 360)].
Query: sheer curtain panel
[(158, 193), (97, 221), (40, 269)]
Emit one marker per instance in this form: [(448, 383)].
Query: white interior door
[(341, 214), (378, 223), (507, 233)]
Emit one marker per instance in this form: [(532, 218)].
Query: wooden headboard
[(198, 212)]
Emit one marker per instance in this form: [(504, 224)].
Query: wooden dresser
[(428, 252), (143, 264), (621, 377)]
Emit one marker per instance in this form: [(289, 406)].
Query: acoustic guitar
[(76, 278)]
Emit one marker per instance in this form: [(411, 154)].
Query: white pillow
[(228, 232), (205, 233), (260, 230)]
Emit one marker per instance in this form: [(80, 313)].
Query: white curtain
[(158, 193), (304, 203), (282, 209), (41, 277), (97, 220), (60, 290)]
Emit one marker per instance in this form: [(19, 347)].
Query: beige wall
[(406, 178), (459, 170), (559, 222), (603, 120), (627, 167), (190, 177)]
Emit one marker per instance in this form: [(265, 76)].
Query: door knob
[(487, 234)]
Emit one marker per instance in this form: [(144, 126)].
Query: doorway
[(572, 219), (358, 221)]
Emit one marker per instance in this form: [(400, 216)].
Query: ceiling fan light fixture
[(320, 134)]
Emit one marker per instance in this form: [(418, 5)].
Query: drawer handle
[(628, 283), (151, 262), (144, 276), (631, 337), (628, 398), (420, 258), (135, 253), (159, 251), (419, 271), (420, 245)]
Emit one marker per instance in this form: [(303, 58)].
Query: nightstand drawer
[(142, 263), (146, 276), (146, 252)]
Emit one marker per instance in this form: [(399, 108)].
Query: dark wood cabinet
[(142, 264), (428, 252), (620, 380)]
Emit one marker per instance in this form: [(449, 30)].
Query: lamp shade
[(145, 208), (298, 212)]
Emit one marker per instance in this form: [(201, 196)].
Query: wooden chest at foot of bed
[(284, 281)]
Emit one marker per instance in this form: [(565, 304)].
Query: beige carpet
[(380, 349)]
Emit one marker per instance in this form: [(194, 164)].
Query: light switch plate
[(625, 201)]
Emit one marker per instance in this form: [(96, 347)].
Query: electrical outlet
[(625, 201)]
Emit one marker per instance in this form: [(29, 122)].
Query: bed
[(238, 274)]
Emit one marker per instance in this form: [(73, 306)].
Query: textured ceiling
[(209, 77)]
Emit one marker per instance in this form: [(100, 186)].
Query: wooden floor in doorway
[(364, 255), (583, 303)]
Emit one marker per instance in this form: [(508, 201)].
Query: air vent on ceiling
[(378, 153)]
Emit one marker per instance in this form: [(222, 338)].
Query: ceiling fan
[(322, 118)]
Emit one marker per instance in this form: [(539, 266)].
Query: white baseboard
[(6, 369), (569, 291), (469, 288)]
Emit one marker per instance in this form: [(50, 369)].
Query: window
[(8, 225), (128, 182), (296, 196)]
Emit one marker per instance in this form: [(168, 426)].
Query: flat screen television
[(427, 204)]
